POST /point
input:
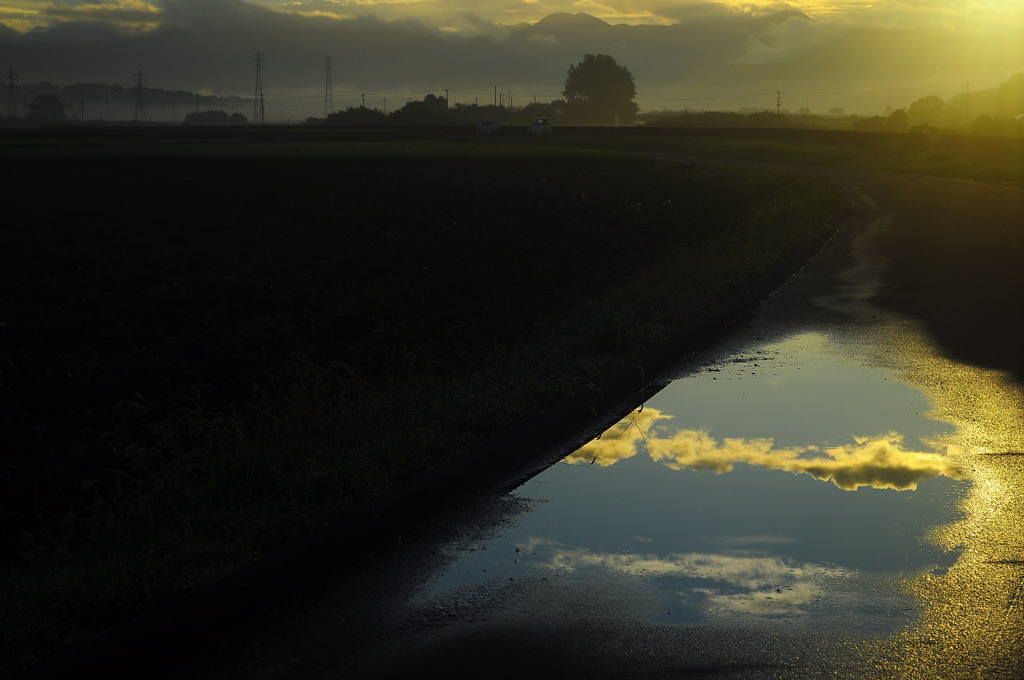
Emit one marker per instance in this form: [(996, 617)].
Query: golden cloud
[(879, 462), (618, 442)]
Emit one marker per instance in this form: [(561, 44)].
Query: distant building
[(47, 107)]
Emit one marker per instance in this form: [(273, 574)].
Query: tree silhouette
[(215, 118), (897, 122), (599, 90), (925, 111), (356, 115), (433, 110)]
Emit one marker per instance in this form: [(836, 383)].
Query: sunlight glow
[(965, 615)]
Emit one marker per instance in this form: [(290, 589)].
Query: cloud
[(721, 584), (618, 442), (694, 12), (111, 10), (14, 23), (879, 462), (472, 24), (216, 15), (134, 15), (542, 39), (789, 39), (78, 20), (997, 15)]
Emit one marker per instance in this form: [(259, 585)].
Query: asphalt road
[(342, 607)]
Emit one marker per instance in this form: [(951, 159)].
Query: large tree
[(599, 90), (925, 111)]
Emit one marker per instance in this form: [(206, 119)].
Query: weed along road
[(832, 488)]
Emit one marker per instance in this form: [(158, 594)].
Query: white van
[(541, 126)]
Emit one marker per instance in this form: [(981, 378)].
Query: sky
[(710, 54), (879, 13), (464, 17)]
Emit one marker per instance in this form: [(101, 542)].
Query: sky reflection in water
[(786, 482)]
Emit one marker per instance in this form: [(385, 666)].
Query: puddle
[(822, 479), (785, 482)]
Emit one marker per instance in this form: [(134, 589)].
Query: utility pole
[(140, 106), (328, 91), (778, 102), (257, 100)]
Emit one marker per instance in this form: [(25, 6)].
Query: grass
[(213, 345), (994, 160)]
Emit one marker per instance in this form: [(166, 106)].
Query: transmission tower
[(257, 102), (328, 92), (10, 94), (140, 107)]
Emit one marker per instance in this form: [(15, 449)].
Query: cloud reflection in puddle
[(718, 584), (880, 462)]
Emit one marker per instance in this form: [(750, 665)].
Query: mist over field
[(713, 56)]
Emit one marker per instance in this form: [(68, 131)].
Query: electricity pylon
[(257, 102), (10, 94), (140, 107), (328, 92)]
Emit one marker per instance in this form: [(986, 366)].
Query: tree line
[(995, 112), (597, 91)]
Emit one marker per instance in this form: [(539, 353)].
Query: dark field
[(210, 346), (996, 160)]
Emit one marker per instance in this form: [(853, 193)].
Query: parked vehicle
[(541, 126), (487, 127)]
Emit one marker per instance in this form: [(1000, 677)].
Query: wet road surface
[(902, 279)]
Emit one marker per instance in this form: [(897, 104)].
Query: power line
[(779, 93), (708, 99), (930, 88)]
